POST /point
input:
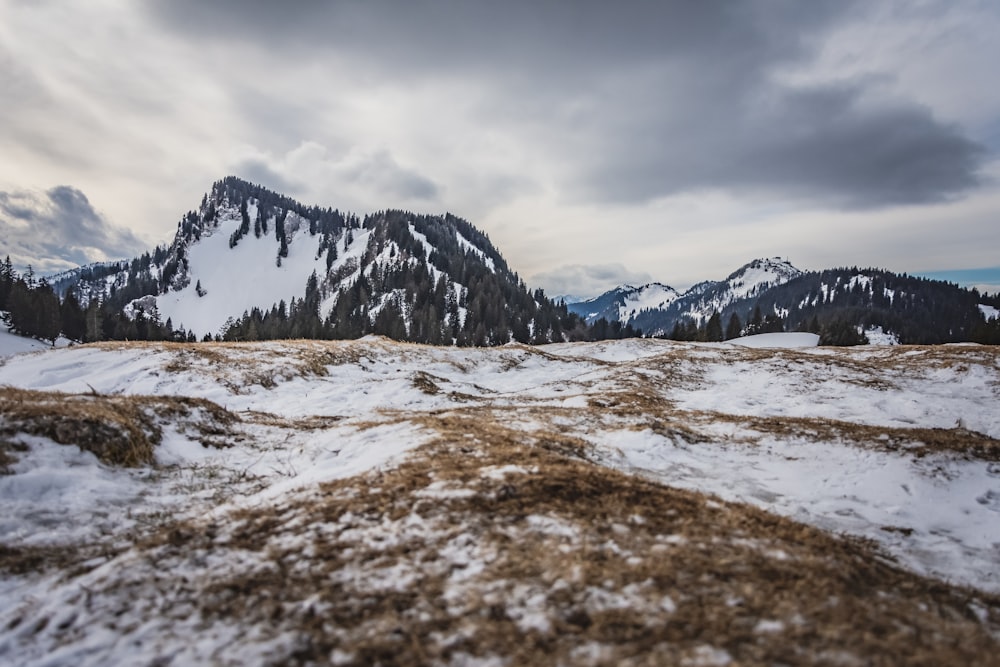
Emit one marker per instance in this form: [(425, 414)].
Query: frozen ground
[(11, 344), (410, 487)]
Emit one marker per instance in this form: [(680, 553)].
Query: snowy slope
[(749, 281), (624, 303), (648, 297), (894, 388), (237, 279), (11, 344), (759, 274), (658, 304), (247, 249), (334, 476), (777, 340)]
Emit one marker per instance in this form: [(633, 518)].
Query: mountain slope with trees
[(769, 295), (250, 264)]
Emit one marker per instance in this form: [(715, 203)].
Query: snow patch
[(777, 340), (468, 245), (238, 279), (876, 336)]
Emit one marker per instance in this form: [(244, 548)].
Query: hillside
[(772, 295), (625, 303), (659, 307), (250, 264), (590, 504)]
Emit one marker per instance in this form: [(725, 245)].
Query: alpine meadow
[(522, 334)]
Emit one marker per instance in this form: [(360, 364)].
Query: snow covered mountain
[(250, 263), (746, 282), (649, 304), (772, 294), (624, 303)]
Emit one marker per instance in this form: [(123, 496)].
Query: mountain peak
[(636, 304), (758, 275), (252, 264), (624, 303)]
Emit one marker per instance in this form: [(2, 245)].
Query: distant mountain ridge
[(626, 302), (252, 264), (772, 294)]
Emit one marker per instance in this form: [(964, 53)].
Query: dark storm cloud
[(381, 171), (375, 171), (826, 141), (820, 144), (636, 100), (452, 34), (257, 170), (59, 229)]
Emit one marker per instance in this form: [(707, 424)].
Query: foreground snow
[(11, 344), (897, 445)]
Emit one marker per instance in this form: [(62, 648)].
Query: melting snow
[(747, 425)]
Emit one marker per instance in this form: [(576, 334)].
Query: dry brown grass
[(238, 365), (426, 382), (445, 557), (73, 560), (640, 573), (119, 430), (693, 426), (307, 423)]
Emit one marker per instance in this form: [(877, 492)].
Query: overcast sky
[(595, 142)]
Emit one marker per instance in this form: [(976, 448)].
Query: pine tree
[(772, 324), (842, 332), (756, 322), (734, 328), (21, 314), (74, 325), (46, 305), (7, 276), (92, 322), (245, 219), (713, 329)]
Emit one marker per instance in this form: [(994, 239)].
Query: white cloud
[(610, 138), (58, 230), (580, 281)]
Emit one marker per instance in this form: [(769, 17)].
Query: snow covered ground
[(416, 472), (788, 339), (11, 344)]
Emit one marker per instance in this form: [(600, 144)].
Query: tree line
[(443, 293), (33, 308), (839, 306), (831, 330)]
